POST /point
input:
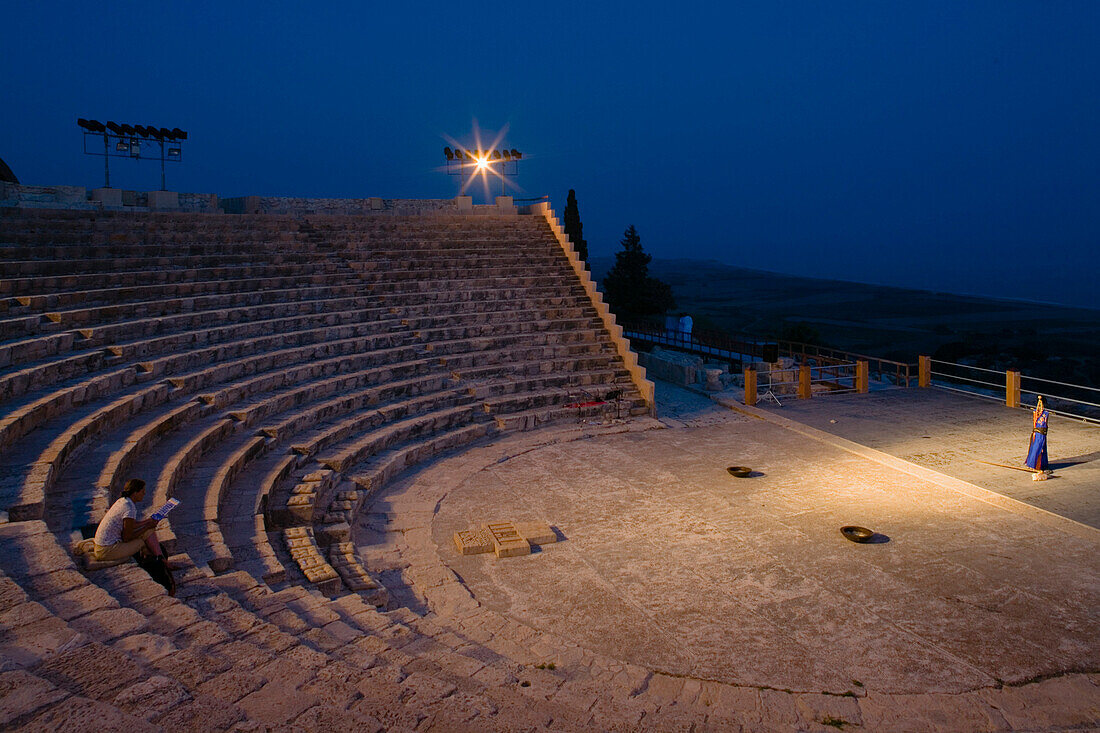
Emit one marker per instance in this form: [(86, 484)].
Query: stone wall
[(52, 197), (203, 203), (672, 366), (299, 206), (78, 197)]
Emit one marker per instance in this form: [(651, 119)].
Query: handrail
[(1060, 402), (900, 372)]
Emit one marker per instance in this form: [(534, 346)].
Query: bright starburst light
[(477, 160)]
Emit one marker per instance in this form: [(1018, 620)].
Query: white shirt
[(110, 529)]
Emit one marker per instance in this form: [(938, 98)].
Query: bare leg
[(153, 544)]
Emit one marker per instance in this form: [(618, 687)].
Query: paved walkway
[(950, 433)]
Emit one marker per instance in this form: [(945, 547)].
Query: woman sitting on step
[(120, 535)]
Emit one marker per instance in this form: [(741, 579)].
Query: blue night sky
[(944, 145)]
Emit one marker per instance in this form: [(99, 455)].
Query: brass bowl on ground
[(739, 471), (857, 534)]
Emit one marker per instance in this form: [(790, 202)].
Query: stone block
[(505, 205), (107, 196), (328, 534), (506, 541), (473, 541), (536, 533)]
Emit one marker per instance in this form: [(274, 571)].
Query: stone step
[(33, 268), (386, 427), (103, 296), (380, 468), (59, 285), (133, 330), (76, 318), (42, 374)]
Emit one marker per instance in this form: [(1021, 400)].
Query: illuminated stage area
[(705, 583)]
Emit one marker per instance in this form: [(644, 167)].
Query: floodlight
[(165, 133), (516, 154), (85, 124), (507, 155), (140, 129), (154, 132), (121, 146), (95, 126), (180, 134), (449, 153), (173, 152), (495, 155), (127, 129), (113, 127)]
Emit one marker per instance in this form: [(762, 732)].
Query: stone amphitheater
[(331, 397)]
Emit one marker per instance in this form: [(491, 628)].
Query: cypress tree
[(629, 289), (574, 228)]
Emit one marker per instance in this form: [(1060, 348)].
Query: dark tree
[(629, 289), (574, 228)]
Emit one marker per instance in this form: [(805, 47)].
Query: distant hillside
[(1051, 341)]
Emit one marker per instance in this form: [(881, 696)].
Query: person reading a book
[(120, 535)]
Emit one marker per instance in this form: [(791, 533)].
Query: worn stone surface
[(22, 693), (81, 715), (146, 648), (200, 714), (151, 698), (951, 433), (94, 671)]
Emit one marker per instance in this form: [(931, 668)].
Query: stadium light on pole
[(128, 142)]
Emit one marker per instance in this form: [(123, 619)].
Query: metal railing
[(704, 342), (839, 378), (881, 370), (1070, 400)]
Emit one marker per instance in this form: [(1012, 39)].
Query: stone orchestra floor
[(667, 562)]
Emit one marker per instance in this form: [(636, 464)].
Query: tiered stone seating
[(272, 374), (221, 305)]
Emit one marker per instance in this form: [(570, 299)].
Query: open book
[(163, 511)]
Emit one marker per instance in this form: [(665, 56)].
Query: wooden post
[(804, 389), (1012, 388), (862, 381), (750, 386), (924, 376)]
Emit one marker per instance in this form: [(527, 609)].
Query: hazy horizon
[(605, 262)]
